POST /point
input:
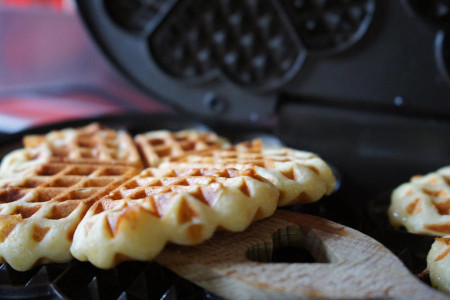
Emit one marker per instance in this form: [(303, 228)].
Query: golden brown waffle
[(39, 212), (423, 204), (438, 261), (18, 162), (92, 144), (204, 184), (158, 146), (301, 177), (137, 219)]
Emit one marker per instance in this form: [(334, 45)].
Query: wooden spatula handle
[(348, 264)]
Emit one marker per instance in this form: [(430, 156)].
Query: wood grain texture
[(348, 264)]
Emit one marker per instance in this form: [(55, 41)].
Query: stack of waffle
[(82, 192), (422, 206)]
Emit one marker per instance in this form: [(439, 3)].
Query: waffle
[(182, 206), (40, 211), (423, 204), (158, 146), (438, 261), (18, 162), (92, 144), (301, 177)]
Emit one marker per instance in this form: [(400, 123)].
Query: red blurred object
[(51, 71), (42, 110), (18, 113), (57, 4)]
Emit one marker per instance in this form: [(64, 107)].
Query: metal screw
[(254, 117), (398, 101), (213, 103)]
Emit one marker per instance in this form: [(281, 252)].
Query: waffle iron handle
[(348, 263)]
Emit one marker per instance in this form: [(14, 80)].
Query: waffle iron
[(363, 83)]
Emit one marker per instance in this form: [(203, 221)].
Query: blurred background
[(290, 62), (50, 70)]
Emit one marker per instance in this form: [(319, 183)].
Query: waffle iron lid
[(236, 59)]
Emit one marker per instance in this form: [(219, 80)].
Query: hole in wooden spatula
[(291, 255), (290, 245)]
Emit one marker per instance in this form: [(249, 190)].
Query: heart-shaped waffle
[(182, 206), (301, 177), (423, 204), (40, 211)]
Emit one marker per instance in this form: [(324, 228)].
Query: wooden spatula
[(349, 263)]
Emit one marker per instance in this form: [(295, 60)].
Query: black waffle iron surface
[(242, 59), (363, 83)]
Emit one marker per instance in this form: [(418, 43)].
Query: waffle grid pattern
[(301, 177), (255, 44), (246, 41), (93, 144), (161, 205), (77, 280), (158, 146), (49, 205), (330, 25)]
